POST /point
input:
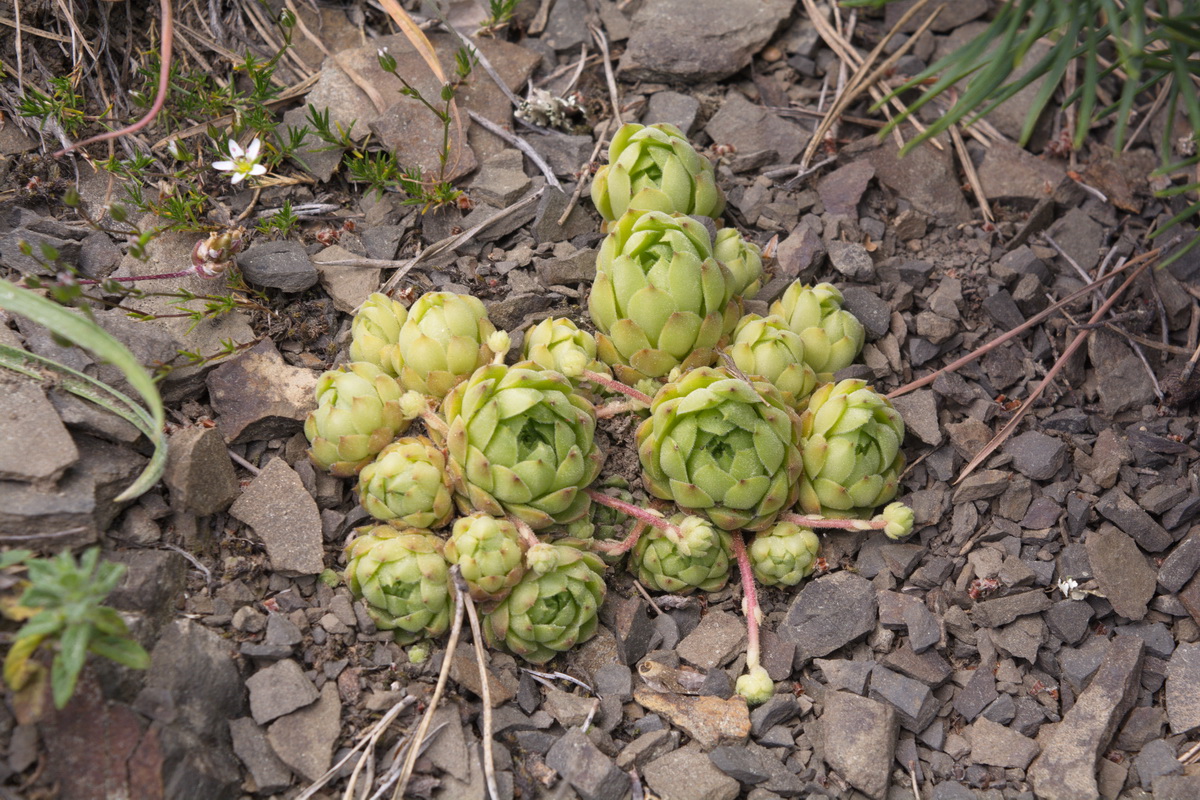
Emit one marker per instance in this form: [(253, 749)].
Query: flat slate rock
[(710, 721), (859, 738), (35, 446), (1066, 768), (285, 516), (1183, 688), (1003, 610), (717, 640), (304, 739), (591, 773), (1124, 512), (829, 613), (999, 746), (1121, 570), (688, 774), (279, 689), (257, 395)]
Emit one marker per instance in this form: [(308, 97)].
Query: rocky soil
[(949, 666)]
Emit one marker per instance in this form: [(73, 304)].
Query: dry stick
[(369, 741), (521, 145), (614, 97), (864, 77), (1079, 339), (20, 48), (164, 79), (443, 675), (968, 166), (642, 590), (489, 761), (586, 172), (452, 242), (1004, 337)]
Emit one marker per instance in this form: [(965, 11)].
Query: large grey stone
[(1121, 570), (858, 737), (257, 395), (251, 746), (591, 773), (1124, 512), (717, 640), (282, 265), (1183, 688), (688, 774), (304, 739), (829, 613), (199, 471), (719, 39), (751, 128), (1066, 768), (279, 689), (999, 746), (284, 515), (34, 444), (192, 674)]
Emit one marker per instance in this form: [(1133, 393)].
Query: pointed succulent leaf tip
[(899, 519), (442, 341), (756, 686), (375, 332), (833, 337), (743, 259)]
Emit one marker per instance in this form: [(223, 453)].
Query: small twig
[(1190, 367), (208, 579), (164, 80), (614, 96), (376, 731), (559, 676), (968, 166), (489, 761), (642, 590), (521, 145), (1017, 331), (585, 176), (451, 646), (912, 773), (583, 58), (796, 171), (1143, 262)]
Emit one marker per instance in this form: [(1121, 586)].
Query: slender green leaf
[(87, 334), (122, 650), (42, 623), (10, 557), (62, 681)]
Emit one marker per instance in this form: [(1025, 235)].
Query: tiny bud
[(418, 653), (899, 519), (573, 362), (413, 404), (756, 686), (542, 557), (499, 342)]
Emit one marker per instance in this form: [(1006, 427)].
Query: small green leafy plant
[(63, 610), (500, 13), (62, 104)]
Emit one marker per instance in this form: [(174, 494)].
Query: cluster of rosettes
[(745, 424)]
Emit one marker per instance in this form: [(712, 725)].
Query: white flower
[(243, 162), (1067, 586)]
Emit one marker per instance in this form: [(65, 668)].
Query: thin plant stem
[(489, 761), (983, 350), (641, 514), (877, 524), (749, 600), (528, 537), (164, 81), (451, 646), (1143, 262), (626, 544), (616, 386)]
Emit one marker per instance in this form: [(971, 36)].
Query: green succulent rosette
[(375, 331), (490, 554), (549, 612), (784, 554), (850, 437), (521, 442), (722, 447), (655, 168), (743, 260), (768, 348), (357, 415), (833, 337), (697, 559), (443, 341), (559, 344), (660, 300), (407, 483), (403, 579)]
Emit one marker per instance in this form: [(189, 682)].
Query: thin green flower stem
[(187, 273), (617, 386), (641, 514), (616, 407), (626, 544), (1050, 310), (749, 600), (164, 81), (842, 524)]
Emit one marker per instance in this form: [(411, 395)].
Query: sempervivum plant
[(521, 442), (851, 438), (767, 347), (376, 330), (407, 482), (655, 168), (358, 414), (660, 299), (743, 260), (690, 555), (784, 554), (833, 337), (553, 607), (722, 447), (444, 339), (490, 553), (559, 344), (403, 579)]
